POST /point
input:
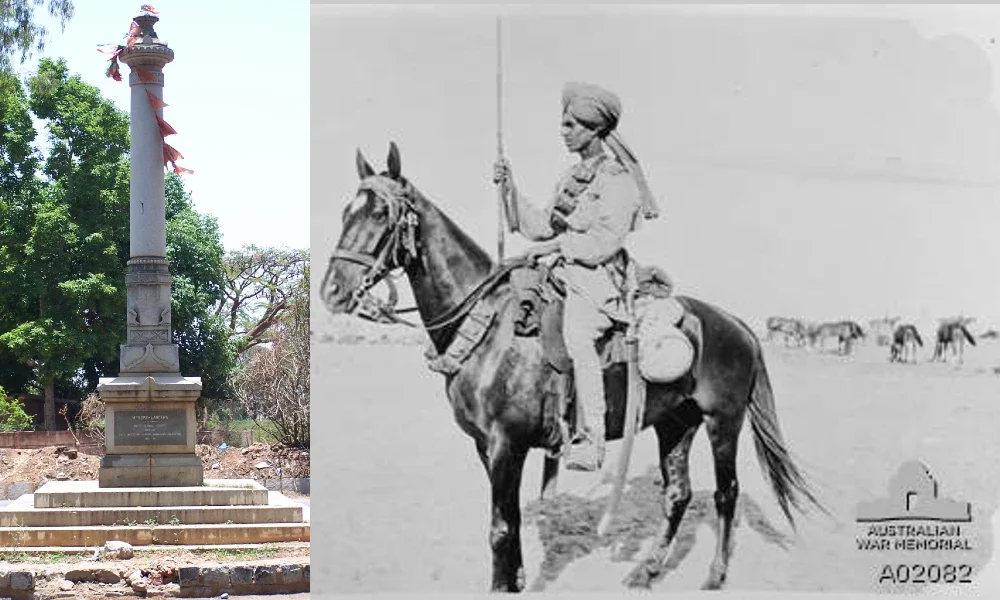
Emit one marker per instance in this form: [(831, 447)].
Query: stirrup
[(593, 450)]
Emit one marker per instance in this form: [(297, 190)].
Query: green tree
[(64, 273), (12, 415), (20, 31), (19, 163)]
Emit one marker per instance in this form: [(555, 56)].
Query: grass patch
[(258, 552), (41, 557)]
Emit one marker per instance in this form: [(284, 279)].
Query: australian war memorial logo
[(928, 536)]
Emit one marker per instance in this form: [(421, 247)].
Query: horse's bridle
[(394, 251)]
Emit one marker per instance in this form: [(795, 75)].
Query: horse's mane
[(476, 252)]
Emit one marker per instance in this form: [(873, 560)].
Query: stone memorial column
[(150, 424)]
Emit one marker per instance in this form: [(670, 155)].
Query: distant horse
[(846, 333), (790, 329), (990, 334), (905, 340), (498, 393), (882, 329), (952, 334)]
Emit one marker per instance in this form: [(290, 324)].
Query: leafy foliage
[(12, 415), (63, 275), (19, 30)]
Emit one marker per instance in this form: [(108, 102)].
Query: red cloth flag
[(134, 34), (170, 154), (148, 8), (165, 128), (144, 74), (113, 71), (155, 101)]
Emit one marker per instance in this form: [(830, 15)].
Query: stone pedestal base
[(150, 431), (150, 470), (81, 515)]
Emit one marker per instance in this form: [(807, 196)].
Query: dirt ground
[(258, 461), (411, 512)]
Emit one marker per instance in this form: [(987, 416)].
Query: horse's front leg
[(505, 462), (550, 478)]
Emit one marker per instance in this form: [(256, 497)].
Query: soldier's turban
[(592, 105), (599, 109)]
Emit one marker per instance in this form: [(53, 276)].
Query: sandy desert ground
[(410, 507)]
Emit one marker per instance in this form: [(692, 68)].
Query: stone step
[(182, 535), (22, 513), (87, 494)]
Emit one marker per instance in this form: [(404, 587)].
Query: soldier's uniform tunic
[(596, 205)]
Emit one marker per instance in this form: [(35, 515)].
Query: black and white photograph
[(668, 298)]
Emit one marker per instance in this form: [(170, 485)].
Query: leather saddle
[(540, 301), (539, 297)]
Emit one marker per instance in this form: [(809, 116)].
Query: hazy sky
[(811, 161), (238, 95)]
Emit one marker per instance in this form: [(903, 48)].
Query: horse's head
[(378, 236)]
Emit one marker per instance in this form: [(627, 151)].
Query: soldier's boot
[(586, 451)]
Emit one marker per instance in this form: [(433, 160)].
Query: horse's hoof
[(714, 581), (712, 584), (641, 578)]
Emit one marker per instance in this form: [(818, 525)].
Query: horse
[(905, 340), (791, 329), (953, 333), (845, 332), (497, 393)]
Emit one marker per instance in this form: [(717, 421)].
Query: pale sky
[(817, 161), (238, 95)]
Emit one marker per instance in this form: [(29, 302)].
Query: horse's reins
[(405, 222), (395, 195)]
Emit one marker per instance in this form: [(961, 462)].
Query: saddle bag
[(665, 352)]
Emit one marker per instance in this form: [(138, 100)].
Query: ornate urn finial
[(145, 21)]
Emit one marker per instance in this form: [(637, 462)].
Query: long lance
[(501, 188)]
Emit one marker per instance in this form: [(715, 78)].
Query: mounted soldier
[(596, 204)]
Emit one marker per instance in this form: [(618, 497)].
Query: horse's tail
[(917, 335), (788, 483), (968, 335)]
